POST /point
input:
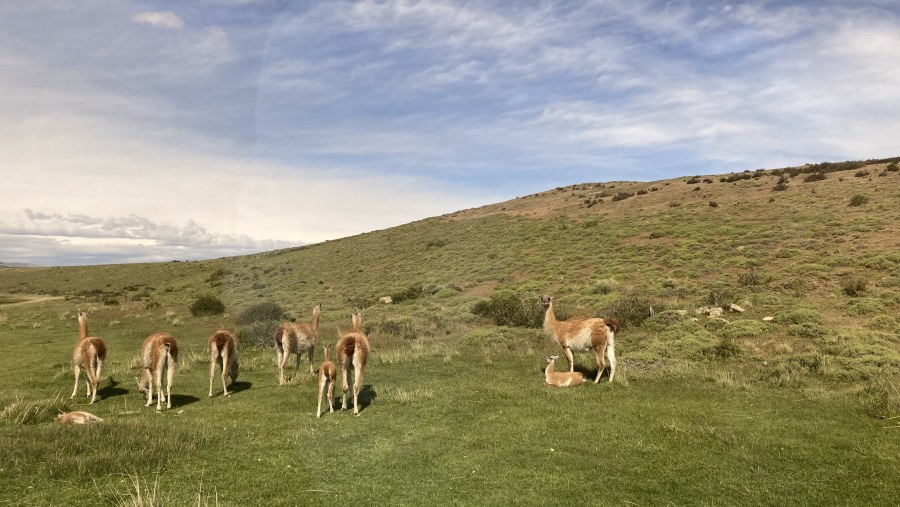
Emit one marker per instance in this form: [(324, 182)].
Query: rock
[(715, 312), (681, 313), (735, 308), (386, 300), (768, 319)]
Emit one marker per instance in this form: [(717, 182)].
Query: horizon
[(152, 132)]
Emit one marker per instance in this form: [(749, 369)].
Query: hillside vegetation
[(805, 263)]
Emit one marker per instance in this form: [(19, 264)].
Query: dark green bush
[(207, 305), (814, 177), (407, 294), (858, 200), (633, 309), (258, 334), (261, 312), (854, 287), (508, 308)]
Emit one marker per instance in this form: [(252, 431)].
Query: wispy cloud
[(265, 119), (159, 19)]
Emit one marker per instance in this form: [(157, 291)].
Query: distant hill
[(816, 248), (17, 265)]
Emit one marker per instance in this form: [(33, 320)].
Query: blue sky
[(150, 131)]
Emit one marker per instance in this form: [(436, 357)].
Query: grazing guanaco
[(223, 351), (327, 376), (159, 352), (578, 335), (89, 353), (353, 351), (561, 379), (294, 338)]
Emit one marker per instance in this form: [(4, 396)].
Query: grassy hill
[(705, 410)]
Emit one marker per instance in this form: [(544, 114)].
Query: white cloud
[(159, 19)]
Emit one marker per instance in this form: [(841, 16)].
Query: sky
[(150, 131)]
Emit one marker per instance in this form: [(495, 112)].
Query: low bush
[(507, 308), (799, 316), (258, 334), (662, 320), (744, 329), (858, 200), (866, 306), (207, 305), (265, 311), (881, 397), (408, 294), (854, 287), (633, 308)]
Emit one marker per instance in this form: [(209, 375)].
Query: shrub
[(861, 174), (693, 181), (632, 309), (713, 204), (403, 328), (854, 286), (881, 398), (261, 312), (893, 167), (752, 279), (866, 306), (814, 177), (806, 329), (207, 305), (409, 293), (799, 316), (662, 320), (111, 302), (725, 348), (684, 340), (780, 186), (621, 196), (720, 297), (744, 329), (858, 200), (258, 334), (507, 308)]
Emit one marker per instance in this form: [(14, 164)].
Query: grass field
[(799, 409)]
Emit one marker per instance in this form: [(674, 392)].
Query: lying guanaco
[(560, 379)]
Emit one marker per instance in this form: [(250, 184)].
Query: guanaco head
[(550, 359), (234, 369), (356, 319), (326, 348), (143, 390), (546, 300)]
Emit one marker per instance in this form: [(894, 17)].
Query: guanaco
[(89, 353), (159, 352), (561, 379), (579, 335), (293, 338), (223, 351), (353, 351), (327, 376)]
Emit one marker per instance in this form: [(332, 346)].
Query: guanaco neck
[(550, 319), (315, 321), (82, 326), (357, 323), (549, 369)]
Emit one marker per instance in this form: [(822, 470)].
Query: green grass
[(800, 410), (457, 420)]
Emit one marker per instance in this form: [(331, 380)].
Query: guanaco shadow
[(111, 389), (180, 400), (235, 387), (366, 395)]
